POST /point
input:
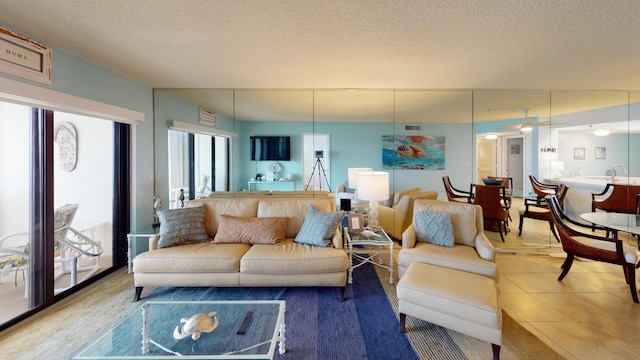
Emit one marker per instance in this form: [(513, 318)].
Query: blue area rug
[(318, 325)]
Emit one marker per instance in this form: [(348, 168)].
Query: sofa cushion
[(294, 209), (194, 258), (251, 230), (319, 227), (434, 227), (291, 257), (213, 208), (463, 218), (182, 226)]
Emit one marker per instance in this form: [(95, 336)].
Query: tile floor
[(589, 315)]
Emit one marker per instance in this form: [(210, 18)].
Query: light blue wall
[(359, 144), (620, 149), (78, 77)]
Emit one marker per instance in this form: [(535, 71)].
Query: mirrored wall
[(306, 140)]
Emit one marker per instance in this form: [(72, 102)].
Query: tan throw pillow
[(250, 230)]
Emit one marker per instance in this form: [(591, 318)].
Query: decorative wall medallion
[(65, 137)]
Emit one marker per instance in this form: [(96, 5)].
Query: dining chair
[(491, 200), (541, 189), (454, 194), (622, 198), (539, 210), (593, 247)]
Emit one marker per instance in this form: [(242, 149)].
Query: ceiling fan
[(527, 125)]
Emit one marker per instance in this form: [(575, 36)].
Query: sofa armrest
[(153, 242), (337, 239), (409, 237), (485, 248)]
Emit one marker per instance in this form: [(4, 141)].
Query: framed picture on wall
[(578, 153), (601, 152)]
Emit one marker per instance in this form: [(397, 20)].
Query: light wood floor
[(588, 315)]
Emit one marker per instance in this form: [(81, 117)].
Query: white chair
[(471, 252), (71, 246)]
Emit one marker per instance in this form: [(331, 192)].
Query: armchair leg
[(496, 351), (553, 231), (566, 265), (403, 319), (520, 226), (502, 226), (631, 277)]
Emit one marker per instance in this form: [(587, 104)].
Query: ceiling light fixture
[(491, 136), (601, 132)]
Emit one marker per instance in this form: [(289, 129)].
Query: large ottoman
[(458, 300)]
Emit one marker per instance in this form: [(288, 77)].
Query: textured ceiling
[(338, 44), (303, 44)]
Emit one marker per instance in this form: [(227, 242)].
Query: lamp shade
[(373, 185), (353, 176)]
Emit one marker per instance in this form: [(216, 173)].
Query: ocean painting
[(418, 152)]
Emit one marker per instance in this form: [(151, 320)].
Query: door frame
[(503, 151)]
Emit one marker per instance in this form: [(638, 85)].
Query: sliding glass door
[(198, 166), (57, 173)]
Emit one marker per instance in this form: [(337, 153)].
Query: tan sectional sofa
[(287, 263)]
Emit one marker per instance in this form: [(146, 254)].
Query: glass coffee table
[(245, 330), (368, 249)]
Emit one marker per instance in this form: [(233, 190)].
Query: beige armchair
[(394, 220), (471, 252)]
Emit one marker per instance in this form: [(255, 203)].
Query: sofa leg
[(403, 318), (342, 293), (136, 297), (496, 351)]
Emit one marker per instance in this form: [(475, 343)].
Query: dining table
[(614, 222)]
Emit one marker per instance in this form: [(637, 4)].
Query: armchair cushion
[(182, 226), (463, 218), (434, 228), (319, 227)]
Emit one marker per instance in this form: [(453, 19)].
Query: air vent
[(413, 127)]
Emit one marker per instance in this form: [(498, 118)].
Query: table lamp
[(373, 186), (353, 180)]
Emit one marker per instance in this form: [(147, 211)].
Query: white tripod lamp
[(373, 186)]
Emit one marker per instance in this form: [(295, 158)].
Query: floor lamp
[(373, 186)]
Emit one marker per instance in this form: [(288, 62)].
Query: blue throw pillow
[(434, 228), (318, 227)]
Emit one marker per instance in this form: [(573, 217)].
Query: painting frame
[(600, 152), (413, 152), (355, 222), (578, 153)]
